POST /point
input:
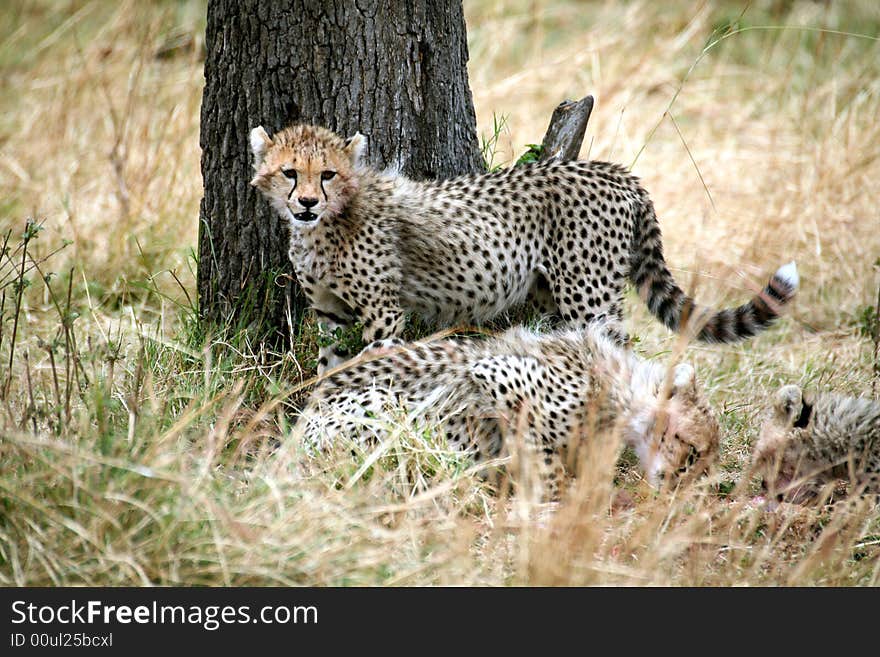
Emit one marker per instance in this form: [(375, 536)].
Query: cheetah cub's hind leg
[(540, 299), (512, 383)]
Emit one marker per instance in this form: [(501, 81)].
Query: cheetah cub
[(564, 236), (809, 440), (550, 391)]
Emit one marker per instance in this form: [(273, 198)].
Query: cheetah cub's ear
[(260, 144), (354, 148), (788, 403), (683, 380)]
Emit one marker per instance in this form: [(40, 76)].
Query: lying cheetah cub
[(566, 236), (809, 440), (554, 389)]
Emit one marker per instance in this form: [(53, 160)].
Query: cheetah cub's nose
[(307, 202)]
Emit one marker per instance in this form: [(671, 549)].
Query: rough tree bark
[(395, 70)]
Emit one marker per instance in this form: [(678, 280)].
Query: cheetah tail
[(668, 302)]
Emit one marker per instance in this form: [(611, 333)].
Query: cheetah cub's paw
[(382, 347)]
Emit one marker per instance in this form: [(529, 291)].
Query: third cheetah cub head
[(810, 441), (782, 456), (307, 173)]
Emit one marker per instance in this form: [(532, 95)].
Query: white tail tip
[(789, 274)]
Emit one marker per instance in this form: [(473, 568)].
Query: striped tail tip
[(788, 274)]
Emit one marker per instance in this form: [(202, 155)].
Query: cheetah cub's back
[(808, 440), (549, 391), (565, 237)]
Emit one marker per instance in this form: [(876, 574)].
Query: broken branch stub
[(565, 134)]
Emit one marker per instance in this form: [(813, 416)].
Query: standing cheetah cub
[(551, 391), (566, 236), (809, 440)]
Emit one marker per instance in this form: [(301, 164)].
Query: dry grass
[(133, 450)]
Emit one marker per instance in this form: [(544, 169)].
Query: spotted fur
[(549, 391), (566, 236), (808, 440)]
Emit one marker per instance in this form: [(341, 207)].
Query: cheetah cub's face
[(778, 456), (675, 439), (307, 173)]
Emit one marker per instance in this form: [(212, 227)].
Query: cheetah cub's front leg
[(386, 323), (378, 306), (334, 316), (330, 353), (381, 331)]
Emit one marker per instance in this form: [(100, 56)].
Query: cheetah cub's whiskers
[(809, 440), (565, 237), (548, 392)]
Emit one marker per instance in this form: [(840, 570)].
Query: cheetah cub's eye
[(289, 173), (327, 175)]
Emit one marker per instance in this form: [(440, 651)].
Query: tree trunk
[(565, 134), (395, 70)]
